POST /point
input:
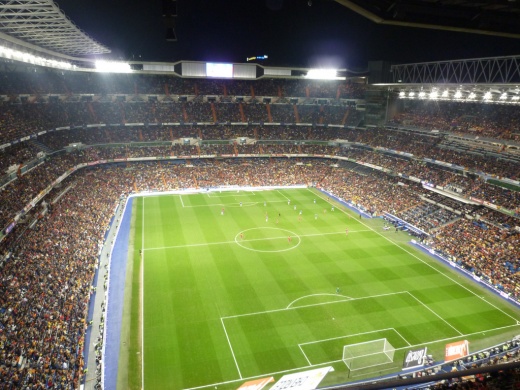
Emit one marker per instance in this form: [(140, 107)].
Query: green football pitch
[(233, 286)]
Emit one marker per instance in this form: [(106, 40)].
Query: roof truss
[(43, 24)]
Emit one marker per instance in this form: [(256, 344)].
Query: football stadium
[(210, 225)]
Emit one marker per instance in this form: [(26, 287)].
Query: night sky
[(290, 32)]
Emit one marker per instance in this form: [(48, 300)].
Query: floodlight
[(487, 95), (433, 95), (113, 67), (402, 94), (5, 52), (503, 96), (472, 95), (29, 58), (445, 94), (458, 95), (516, 97), (322, 74), (411, 94), (422, 94)]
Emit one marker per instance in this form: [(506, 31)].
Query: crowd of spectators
[(44, 297), (497, 195), (18, 193), (449, 179), (45, 286), (499, 219), (283, 113), (488, 251), (64, 82), (374, 193), (45, 282), (327, 89), (199, 112), (15, 195), (478, 119), (22, 120), (232, 112), (16, 155)]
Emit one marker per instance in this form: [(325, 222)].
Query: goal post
[(368, 354)]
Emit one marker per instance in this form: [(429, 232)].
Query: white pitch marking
[(427, 264), (337, 361), (231, 348), (252, 239), (305, 355), (438, 316), (315, 295), (286, 198), (340, 360), (315, 304), (347, 336), (142, 297)]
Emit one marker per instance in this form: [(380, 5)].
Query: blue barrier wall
[(116, 295)]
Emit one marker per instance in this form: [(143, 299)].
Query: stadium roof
[(42, 23), (490, 17)]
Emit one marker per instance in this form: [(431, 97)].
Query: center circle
[(267, 239)]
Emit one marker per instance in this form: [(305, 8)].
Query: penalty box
[(305, 335)]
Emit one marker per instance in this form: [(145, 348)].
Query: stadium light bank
[(323, 74), (113, 67), (28, 58), (510, 96)]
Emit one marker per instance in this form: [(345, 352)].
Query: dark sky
[(290, 32)]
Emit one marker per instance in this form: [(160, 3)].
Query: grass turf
[(230, 297)]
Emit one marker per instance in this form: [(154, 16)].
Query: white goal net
[(368, 354)]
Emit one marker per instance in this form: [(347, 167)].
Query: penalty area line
[(304, 354), (332, 361), (231, 348)]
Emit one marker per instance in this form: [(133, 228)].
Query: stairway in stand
[(345, 117), (38, 145)]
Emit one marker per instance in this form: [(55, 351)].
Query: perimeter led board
[(219, 70)]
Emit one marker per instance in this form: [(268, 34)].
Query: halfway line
[(250, 240)]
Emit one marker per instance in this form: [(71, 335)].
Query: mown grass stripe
[(193, 289)]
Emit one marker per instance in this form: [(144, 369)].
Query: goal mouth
[(368, 354)]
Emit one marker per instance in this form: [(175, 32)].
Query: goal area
[(368, 354)]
